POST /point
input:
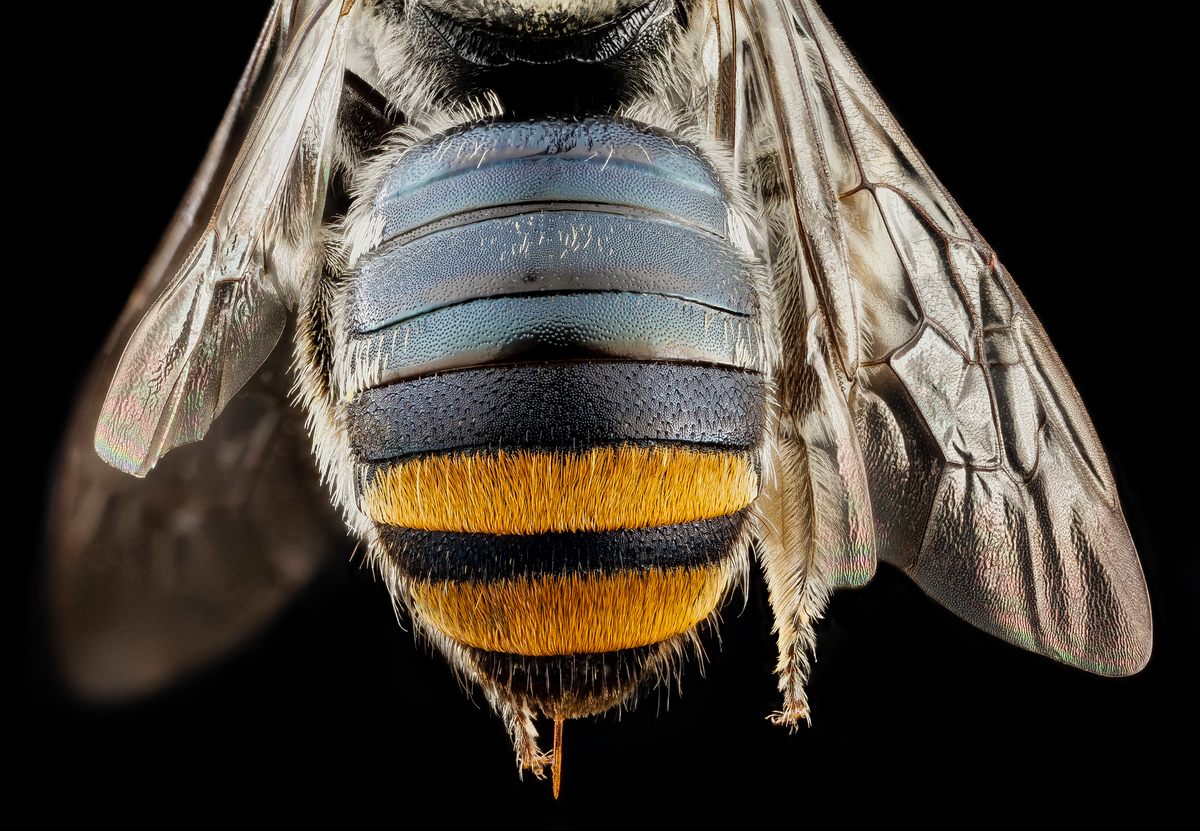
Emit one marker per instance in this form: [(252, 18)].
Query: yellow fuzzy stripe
[(569, 614), (531, 492)]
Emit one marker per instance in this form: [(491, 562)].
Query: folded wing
[(219, 317), (987, 483), (150, 579)]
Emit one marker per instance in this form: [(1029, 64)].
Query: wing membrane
[(149, 579), (198, 203), (987, 483), (222, 314)]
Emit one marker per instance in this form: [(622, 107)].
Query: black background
[(1055, 139)]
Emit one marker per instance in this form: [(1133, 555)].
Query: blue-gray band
[(548, 251), (595, 325), (594, 160)]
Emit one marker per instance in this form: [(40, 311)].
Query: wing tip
[(854, 574), (120, 455), (109, 685), (1130, 652), (1116, 643), (1113, 646), (1131, 659)]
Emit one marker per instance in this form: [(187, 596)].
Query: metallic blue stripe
[(596, 160), (598, 325), (548, 251)]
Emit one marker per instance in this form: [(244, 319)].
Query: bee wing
[(987, 484), (221, 315), (148, 579)]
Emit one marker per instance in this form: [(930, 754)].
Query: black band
[(571, 685), (477, 558), (555, 406)]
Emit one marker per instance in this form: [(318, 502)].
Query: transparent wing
[(220, 316), (191, 217), (149, 579), (987, 484)]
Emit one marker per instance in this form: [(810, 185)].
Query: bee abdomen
[(561, 403)]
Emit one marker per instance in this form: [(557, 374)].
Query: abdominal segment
[(558, 430), (565, 551), (571, 552)]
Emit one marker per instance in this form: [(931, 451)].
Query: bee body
[(617, 293)]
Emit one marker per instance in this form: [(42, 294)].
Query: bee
[(580, 306)]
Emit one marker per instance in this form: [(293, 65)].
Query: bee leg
[(793, 668), (519, 723), (796, 643), (797, 588)]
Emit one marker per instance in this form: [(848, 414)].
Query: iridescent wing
[(985, 481), (149, 579), (221, 315)]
